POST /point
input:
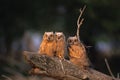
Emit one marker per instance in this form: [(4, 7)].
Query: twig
[(80, 21), (118, 75), (108, 67), (62, 67), (6, 77)]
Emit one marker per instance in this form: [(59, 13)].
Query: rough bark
[(62, 69)]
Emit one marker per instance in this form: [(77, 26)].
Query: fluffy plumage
[(60, 44), (77, 52), (47, 46)]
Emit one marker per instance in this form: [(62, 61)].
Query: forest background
[(23, 22)]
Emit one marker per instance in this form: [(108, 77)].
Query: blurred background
[(23, 22)]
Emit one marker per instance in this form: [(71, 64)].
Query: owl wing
[(42, 47), (71, 52), (74, 52), (77, 51)]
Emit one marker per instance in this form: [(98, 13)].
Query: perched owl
[(60, 44), (77, 52), (47, 46)]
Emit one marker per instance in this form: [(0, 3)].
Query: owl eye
[(55, 35), (75, 40), (51, 35), (46, 35), (69, 41)]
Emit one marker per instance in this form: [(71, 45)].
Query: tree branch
[(80, 21), (51, 66), (109, 68)]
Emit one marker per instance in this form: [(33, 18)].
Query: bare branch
[(80, 21), (62, 67), (106, 62), (6, 77), (118, 75)]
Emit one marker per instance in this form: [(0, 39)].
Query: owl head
[(59, 36), (48, 36), (73, 40)]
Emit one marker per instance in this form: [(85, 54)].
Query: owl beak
[(58, 38), (48, 38), (71, 43)]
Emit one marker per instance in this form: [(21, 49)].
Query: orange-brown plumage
[(60, 44), (77, 52), (47, 46)]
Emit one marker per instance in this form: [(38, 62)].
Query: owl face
[(49, 36), (72, 41), (59, 36)]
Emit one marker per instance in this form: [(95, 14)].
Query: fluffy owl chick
[(47, 46), (77, 53), (60, 44)]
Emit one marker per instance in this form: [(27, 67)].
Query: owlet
[(60, 44), (77, 52), (47, 46)]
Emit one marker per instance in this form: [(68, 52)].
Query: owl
[(77, 52), (47, 46), (60, 44)]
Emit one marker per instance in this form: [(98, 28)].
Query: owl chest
[(49, 46), (60, 45), (77, 51)]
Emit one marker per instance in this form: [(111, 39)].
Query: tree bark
[(62, 69)]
